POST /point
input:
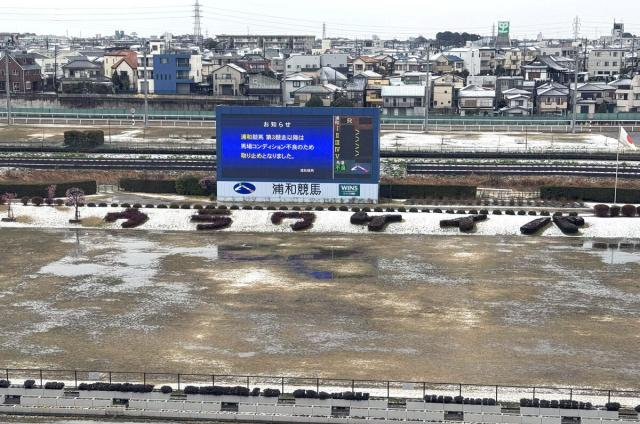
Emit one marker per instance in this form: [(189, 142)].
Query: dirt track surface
[(487, 309)]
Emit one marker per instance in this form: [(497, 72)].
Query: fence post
[(353, 385), (7, 373), (213, 380), (282, 385), (609, 396), (109, 377), (144, 378), (424, 389), (247, 382), (75, 378), (178, 381), (460, 389), (534, 393), (41, 378), (317, 385), (570, 394), (388, 390), (496, 393)]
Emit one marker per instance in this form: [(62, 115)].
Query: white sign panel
[(303, 192)]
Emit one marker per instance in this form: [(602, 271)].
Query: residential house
[(176, 72), (403, 100), (487, 60), (550, 68), (594, 97), (445, 92), (505, 83), (470, 58), (285, 43), (408, 64), (127, 70), (552, 98), (24, 73), (113, 57), (302, 63), (414, 78), (293, 83), (82, 75), (447, 63), (606, 63), (265, 88), (627, 94), (373, 91), (486, 81), (364, 63), (517, 103), (326, 92), (254, 63), (475, 100), (229, 80), (337, 61), (355, 90)]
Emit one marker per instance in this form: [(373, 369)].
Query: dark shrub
[(366, 209), (458, 399), (299, 393), (484, 212), (137, 206), (37, 201), (246, 208), (391, 210), (102, 205), (234, 207), (522, 213), (53, 385), (125, 205), (258, 208), (296, 208), (324, 396), (198, 207), (166, 389), (332, 208), (379, 223), (612, 406), (402, 209), (255, 391), (319, 208), (510, 212), (545, 213), (377, 209), (133, 217), (565, 225), (343, 208), (223, 207), (271, 208), (614, 211), (473, 212), (467, 225), (114, 205), (628, 211), (311, 394), (307, 208), (413, 210), (450, 211), (214, 222), (532, 213), (162, 206), (497, 212), (174, 206), (283, 208), (189, 185), (185, 206), (556, 214), (437, 210), (191, 390), (573, 213), (601, 211), (25, 200), (637, 409), (271, 393), (149, 206), (360, 218), (534, 226), (461, 212), (578, 221), (29, 384), (355, 209)]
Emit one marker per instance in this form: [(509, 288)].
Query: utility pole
[(7, 83), (576, 33), (146, 84), (55, 68), (427, 96)]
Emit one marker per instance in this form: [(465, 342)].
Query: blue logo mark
[(244, 188)]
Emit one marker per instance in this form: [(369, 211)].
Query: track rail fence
[(390, 389)]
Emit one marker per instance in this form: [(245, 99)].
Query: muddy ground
[(482, 309)]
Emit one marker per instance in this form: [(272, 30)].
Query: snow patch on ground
[(326, 222)]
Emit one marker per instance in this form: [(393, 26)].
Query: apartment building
[(606, 63)]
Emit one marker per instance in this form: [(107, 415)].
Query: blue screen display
[(276, 144)]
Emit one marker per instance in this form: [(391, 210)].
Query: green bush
[(590, 194), (36, 189), (189, 185), (407, 191), (148, 186), (84, 139)]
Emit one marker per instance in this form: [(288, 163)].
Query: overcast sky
[(352, 18)]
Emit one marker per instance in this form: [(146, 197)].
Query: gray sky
[(352, 18)]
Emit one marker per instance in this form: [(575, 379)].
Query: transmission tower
[(576, 28), (197, 29)]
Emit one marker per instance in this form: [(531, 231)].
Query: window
[(296, 83), (16, 86), (547, 100), (164, 60), (614, 64), (14, 72)]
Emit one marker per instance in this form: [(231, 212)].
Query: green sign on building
[(349, 190), (503, 28)]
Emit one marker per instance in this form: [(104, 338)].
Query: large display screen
[(297, 144)]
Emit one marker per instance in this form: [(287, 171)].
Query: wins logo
[(349, 190), (244, 188)]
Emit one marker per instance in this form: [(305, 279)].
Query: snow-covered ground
[(326, 222), (497, 141)]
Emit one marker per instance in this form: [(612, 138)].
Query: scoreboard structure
[(273, 154)]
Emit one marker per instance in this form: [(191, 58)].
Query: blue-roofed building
[(176, 72), (447, 63)]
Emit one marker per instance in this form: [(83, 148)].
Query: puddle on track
[(482, 309)]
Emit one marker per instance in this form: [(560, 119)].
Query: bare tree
[(75, 197), (8, 197)]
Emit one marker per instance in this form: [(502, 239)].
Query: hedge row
[(564, 404), (459, 400), (407, 191), (84, 139), (124, 387), (312, 394), (590, 194), (148, 186), (40, 189)]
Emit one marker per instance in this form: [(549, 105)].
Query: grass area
[(24, 219), (93, 222)]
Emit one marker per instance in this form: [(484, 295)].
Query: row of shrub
[(31, 384), (187, 185), (39, 189), (312, 394), (211, 222), (535, 226), (564, 404), (116, 387), (590, 194), (229, 391), (466, 224), (606, 211), (414, 191), (374, 223), (4, 384), (460, 400)]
